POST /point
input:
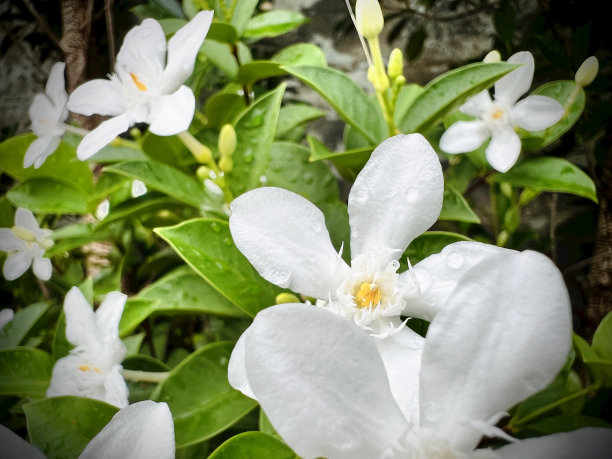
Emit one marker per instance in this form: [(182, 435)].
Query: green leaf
[(561, 91), (292, 116), (164, 178), (348, 163), (61, 427), (185, 291), (589, 357), (140, 390), (255, 129), (220, 55), (14, 333), (347, 98), (456, 208), (547, 173), (566, 423), (207, 246), (135, 207), (214, 406), (48, 196), (545, 397), (26, 371), (222, 108), (602, 345), (253, 445), (136, 310), (407, 95), (223, 32), (273, 23), (448, 91), (429, 243), (62, 165), (242, 14)]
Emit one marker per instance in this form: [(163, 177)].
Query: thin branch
[(450, 18), (43, 24), (108, 7)]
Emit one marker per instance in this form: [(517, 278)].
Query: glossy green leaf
[(348, 163), (26, 371), (207, 246), (183, 290), (222, 108), (292, 116), (602, 345), (140, 390), (76, 235), (61, 427), (255, 129), (273, 23), (61, 345), (214, 406), (48, 196), (14, 332), (302, 54), (132, 208), (448, 91), (456, 208), (221, 56), (164, 178), (62, 165), (266, 426), (589, 357), (429, 243), (253, 445), (349, 100), (135, 311), (547, 173), (407, 95), (543, 398), (242, 14)]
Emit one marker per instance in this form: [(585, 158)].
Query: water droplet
[(215, 227), (227, 241), (454, 260), (412, 195), (263, 179), (278, 276)]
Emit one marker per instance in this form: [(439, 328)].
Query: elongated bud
[(379, 80), (226, 164), (203, 172), (492, 57), (369, 18), (227, 140), (282, 298), (587, 72), (395, 67)]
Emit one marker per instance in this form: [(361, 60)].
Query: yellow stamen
[(139, 84), (497, 114), (367, 295), (85, 368)]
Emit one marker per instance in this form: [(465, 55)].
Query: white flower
[(146, 87), (138, 188), (139, 431), (26, 243), (93, 367), (498, 118), (6, 315), (502, 336), (48, 113)]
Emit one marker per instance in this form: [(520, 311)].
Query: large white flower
[(26, 243), (48, 113), (502, 336), (498, 118), (146, 87), (139, 431), (93, 367)]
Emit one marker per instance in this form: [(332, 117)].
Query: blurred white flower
[(327, 392), (48, 113), (93, 367), (6, 315), (26, 243), (103, 209), (498, 118), (138, 188), (147, 87)]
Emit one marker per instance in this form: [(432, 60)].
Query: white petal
[(284, 237), (585, 443), (396, 196), (56, 87), (16, 264), (97, 96), (25, 218), (322, 383), (102, 136), (236, 369), (509, 88), (42, 268), (183, 48), (173, 113), (477, 105), (143, 52), (504, 148), (13, 446), (78, 375), (139, 431), (401, 355), (536, 112), (107, 319), (438, 275), (9, 242), (464, 136), (39, 150), (503, 336), (6, 315), (115, 388), (45, 117), (81, 327)]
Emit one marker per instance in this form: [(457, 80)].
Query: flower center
[(139, 84), (497, 114), (368, 295), (24, 234), (88, 368)]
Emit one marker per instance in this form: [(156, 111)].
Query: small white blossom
[(48, 113), (26, 243), (138, 188), (498, 118), (6, 315), (93, 367)]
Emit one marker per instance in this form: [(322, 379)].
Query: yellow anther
[(497, 114), (367, 295), (85, 368), (139, 84)]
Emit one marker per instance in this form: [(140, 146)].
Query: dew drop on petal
[(412, 195), (454, 260), (280, 277)]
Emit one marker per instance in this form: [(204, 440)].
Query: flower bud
[(379, 80), (135, 133), (587, 72), (287, 298), (203, 172), (226, 164), (491, 57), (395, 67), (227, 140), (369, 18)]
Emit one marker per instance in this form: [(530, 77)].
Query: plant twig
[(108, 12), (42, 24)]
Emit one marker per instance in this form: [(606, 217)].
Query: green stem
[(145, 376), (76, 130)]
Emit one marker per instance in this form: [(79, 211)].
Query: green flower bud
[(203, 172), (587, 72), (369, 18), (282, 298), (227, 140), (395, 68), (135, 133), (379, 80), (226, 164), (492, 56)]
